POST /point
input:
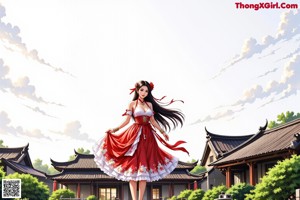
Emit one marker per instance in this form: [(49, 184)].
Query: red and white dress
[(134, 154)]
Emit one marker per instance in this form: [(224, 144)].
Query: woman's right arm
[(125, 122)]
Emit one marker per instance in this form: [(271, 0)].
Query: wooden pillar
[(170, 190), (78, 190), (151, 192), (195, 185), (91, 188), (228, 177), (122, 191), (251, 173), (189, 186), (173, 190), (54, 185)]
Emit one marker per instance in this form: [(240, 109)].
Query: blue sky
[(66, 68)]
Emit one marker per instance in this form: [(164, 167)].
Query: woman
[(134, 155)]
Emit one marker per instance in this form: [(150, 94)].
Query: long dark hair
[(162, 114)]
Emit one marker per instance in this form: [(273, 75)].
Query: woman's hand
[(112, 130), (109, 131)]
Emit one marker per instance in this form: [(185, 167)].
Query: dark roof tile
[(274, 140), (23, 168)]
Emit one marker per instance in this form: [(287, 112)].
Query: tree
[(196, 194), (280, 182), (2, 145), (198, 169), (184, 194), (38, 164), (62, 193), (79, 150), (214, 192), (192, 161), (238, 191), (283, 118), (32, 188)]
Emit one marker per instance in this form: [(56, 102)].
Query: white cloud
[(288, 85), (20, 87), (9, 34), (7, 128), (72, 130), (275, 90), (38, 110), (289, 26)]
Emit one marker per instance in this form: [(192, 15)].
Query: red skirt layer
[(135, 155)]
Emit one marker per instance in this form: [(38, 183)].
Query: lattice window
[(107, 193), (155, 193)]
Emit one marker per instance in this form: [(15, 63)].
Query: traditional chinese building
[(84, 177), (251, 160), (216, 146), (18, 160)]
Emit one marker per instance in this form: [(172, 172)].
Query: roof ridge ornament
[(208, 134), (263, 128)]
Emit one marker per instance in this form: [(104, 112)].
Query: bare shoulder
[(131, 104)]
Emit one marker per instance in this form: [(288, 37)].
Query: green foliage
[(283, 118), (173, 198), (214, 192), (32, 188), (2, 175), (64, 193), (196, 195), (198, 169), (91, 197), (2, 145), (192, 161), (79, 150), (280, 182), (184, 194), (38, 164), (238, 191)]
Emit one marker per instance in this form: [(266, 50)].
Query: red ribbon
[(132, 90), (174, 146)]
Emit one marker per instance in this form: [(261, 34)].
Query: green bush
[(198, 170), (214, 193), (184, 194), (280, 182), (2, 175), (173, 198), (64, 193), (91, 197), (238, 191), (32, 188), (196, 195)]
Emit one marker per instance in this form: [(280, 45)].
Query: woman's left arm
[(156, 125)]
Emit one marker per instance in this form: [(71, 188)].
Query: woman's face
[(143, 92)]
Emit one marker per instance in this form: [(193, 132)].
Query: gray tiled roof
[(84, 167), (80, 162), (275, 140), (99, 175), (12, 153), (225, 143), (23, 168), (86, 161)]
